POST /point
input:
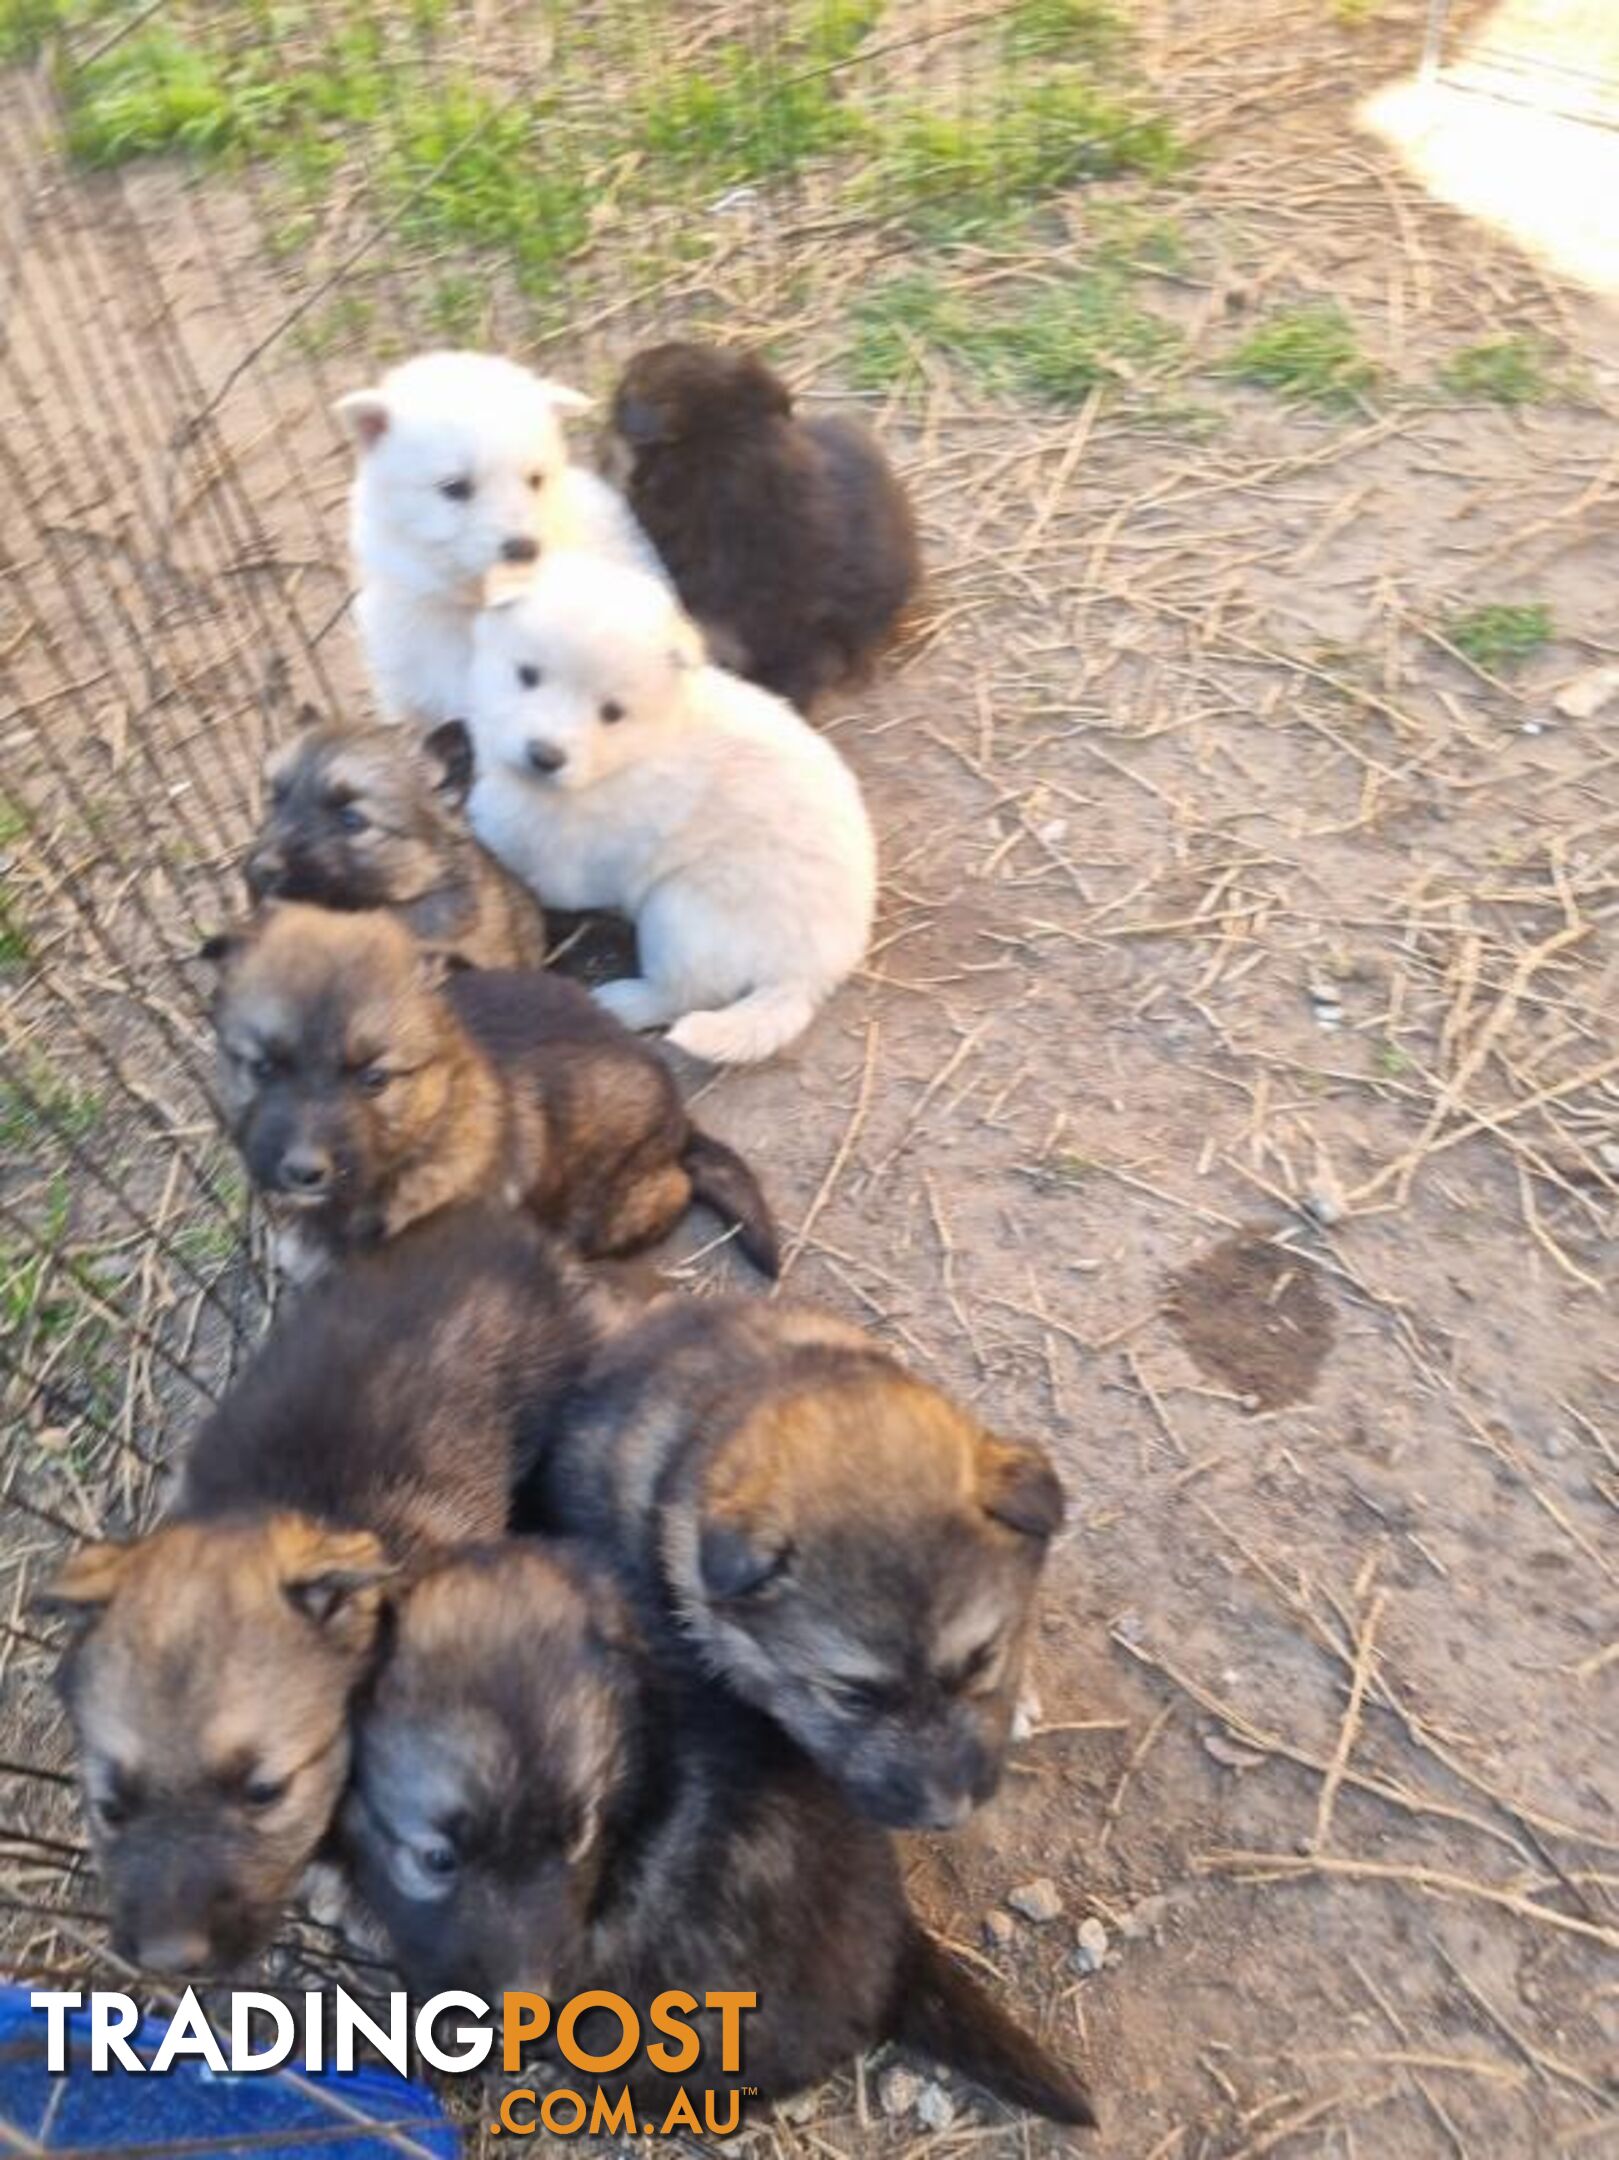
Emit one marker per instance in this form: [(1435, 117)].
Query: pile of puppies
[(594, 1635)]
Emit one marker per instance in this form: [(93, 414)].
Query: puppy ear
[(766, 390), (324, 1573), (87, 1584), (365, 417), (449, 748), (1018, 1487), (564, 397), (737, 1559)]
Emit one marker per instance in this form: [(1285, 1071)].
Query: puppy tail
[(755, 1027), (721, 1180), (940, 2010)]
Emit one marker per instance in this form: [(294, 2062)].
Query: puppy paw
[(635, 1001)]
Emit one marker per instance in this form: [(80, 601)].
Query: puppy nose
[(520, 548), (305, 1170), (264, 872), (546, 757)]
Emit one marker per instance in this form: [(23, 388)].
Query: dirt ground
[(1232, 1102)]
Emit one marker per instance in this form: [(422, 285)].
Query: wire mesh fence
[(214, 220)]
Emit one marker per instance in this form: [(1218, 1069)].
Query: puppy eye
[(373, 1079), (112, 1811), (439, 1858), (536, 481), (862, 1694), (257, 1064), (264, 1792), (529, 676), (456, 490), (352, 819), (612, 710)]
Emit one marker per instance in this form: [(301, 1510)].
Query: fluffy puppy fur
[(536, 1805), (790, 540), (366, 1086), (214, 1661), (849, 1551), (374, 817), (617, 770), (462, 468)]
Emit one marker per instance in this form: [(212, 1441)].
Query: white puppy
[(462, 467), (617, 769)]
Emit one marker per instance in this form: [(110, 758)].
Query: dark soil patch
[(1254, 1316)]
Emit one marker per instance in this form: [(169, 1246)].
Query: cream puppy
[(462, 468), (617, 769)]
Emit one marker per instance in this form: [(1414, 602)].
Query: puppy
[(215, 1660), (366, 1086), (372, 817), (846, 1549), (462, 467), (791, 541), (616, 769), (536, 1805)]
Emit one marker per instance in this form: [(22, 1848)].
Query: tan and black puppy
[(791, 541), (372, 817), (537, 1805), (850, 1551), (367, 1082), (214, 1661)]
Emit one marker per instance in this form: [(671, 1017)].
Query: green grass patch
[(740, 117), (1500, 371), (1311, 354), (1500, 636), (1064, 30), (36, 1108), (952, 175), (1056, 345), (834, 30), (156, 92), (1129, 236)]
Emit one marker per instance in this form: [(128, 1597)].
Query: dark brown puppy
[(848, 1550), (372, 817), (367, 1083), (790, 541), (215, 1659), (537, 1805)]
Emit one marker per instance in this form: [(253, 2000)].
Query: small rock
[(1585, 696), (1130, 1627), (1144, 1919), (1037, 1901), (898, 2090), (1322, 992), (1533, 727), (1329, 1016), (1053, 830), (1326, 1207), (1609, 1151), (801, 2108), (936, 2108), (1227, 1752), (998, 1929), (1090, 1954)]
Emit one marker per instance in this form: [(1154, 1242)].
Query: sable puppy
[(215, 1659), (536, 1805), (371, 817), (368, 1085), (848, 1550), (791, 541)]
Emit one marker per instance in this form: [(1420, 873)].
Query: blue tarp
[(191, 2111)]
